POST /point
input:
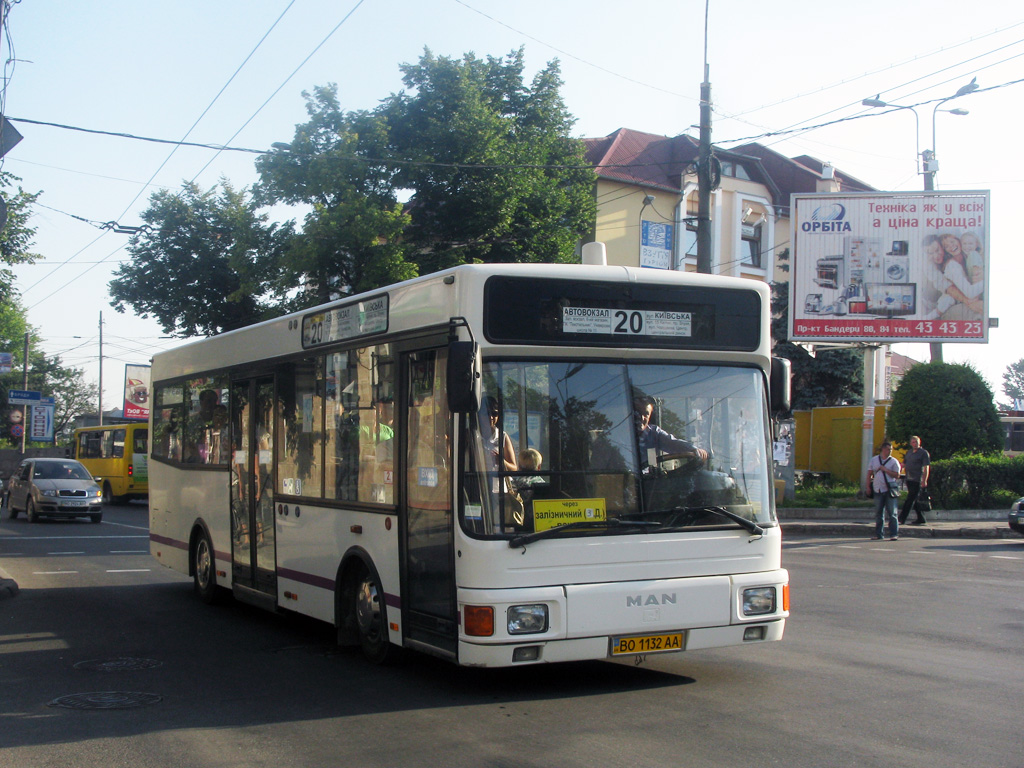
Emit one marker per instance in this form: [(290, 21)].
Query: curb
[(865, 529)]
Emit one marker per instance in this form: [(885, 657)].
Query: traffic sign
[(23, 397)]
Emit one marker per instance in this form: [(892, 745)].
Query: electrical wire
[(282, 85)]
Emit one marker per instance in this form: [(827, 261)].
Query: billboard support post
[(867, 447)]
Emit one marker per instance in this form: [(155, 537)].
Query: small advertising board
[(136, 392), (890, 266)]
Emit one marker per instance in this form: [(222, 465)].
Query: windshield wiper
[(692, 512), (526, 538)]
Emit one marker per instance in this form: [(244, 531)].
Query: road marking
[(129, 551), (66, 553), (921, 552), (128, 570), (1005, 557), (51, 573), (958, 554), (846, 546), (77, 538)]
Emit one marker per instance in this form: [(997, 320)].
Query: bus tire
[(109, 498), (204, 569), (370, 613)]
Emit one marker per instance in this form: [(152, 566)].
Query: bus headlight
[(758, 601), (527, 619)]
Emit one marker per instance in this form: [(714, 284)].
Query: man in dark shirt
[(651, 436), (917, 463)]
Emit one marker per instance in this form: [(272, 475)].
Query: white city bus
[(342, 463)]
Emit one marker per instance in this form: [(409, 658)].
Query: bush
[(976, 482)]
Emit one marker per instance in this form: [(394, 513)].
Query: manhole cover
[(121, 664), (106, 700)]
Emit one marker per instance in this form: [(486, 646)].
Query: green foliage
[(1013, 380), (532, 200), (16, 236), (46, 374), (819, 494), (488, 160), (195, 270), (831, 377), (950, 406), (976, 482), (352, 237)]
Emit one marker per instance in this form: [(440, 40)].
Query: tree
[(950, 406), (488, 160), (351, 239), (495, 174), (1013, 381), (196, 269), (831, 376), (16, 235)]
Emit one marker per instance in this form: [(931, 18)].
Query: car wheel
[(371, 619), (11, 511), (96, 517), (204, 570), (30, 511)]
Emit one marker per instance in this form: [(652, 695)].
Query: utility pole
[(704, 178), (100, 404), (24, 408)]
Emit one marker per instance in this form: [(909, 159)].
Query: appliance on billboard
[(136, 392), (884, 267)]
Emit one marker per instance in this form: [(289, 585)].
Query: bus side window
[(118, 444)]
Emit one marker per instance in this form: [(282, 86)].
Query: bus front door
[(252, 488), (429, 602)]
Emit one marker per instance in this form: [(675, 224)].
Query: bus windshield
[(605, 448)]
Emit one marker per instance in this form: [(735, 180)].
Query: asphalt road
[(900, 653)]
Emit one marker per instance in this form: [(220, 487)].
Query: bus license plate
[(623, 646)]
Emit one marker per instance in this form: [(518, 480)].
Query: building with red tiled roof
[(647, 202)]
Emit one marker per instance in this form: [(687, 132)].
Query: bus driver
[(651, 437)]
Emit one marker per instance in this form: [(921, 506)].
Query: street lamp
[(927, 163)]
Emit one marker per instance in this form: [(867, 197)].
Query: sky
[(232, 72)]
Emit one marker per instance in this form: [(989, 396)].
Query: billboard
[(889, 266), (136, 392)]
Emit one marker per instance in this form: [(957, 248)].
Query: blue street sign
[(23, 397)]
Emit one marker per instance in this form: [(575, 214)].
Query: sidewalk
[(860, 523)]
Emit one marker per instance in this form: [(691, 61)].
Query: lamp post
[(927, 161)]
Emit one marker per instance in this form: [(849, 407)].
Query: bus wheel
[(204, 570), (108, 495), (370, 617)]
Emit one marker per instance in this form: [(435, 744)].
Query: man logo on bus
[(635, 601)]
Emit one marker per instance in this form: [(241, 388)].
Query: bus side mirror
[(463, 376), (778, 386)]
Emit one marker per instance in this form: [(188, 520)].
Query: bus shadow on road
[(235, 666)]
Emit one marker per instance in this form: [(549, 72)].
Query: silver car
[(54, 488)]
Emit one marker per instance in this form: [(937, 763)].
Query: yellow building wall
[(829, 439)]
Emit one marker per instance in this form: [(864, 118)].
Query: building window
[(736, 170), (751, 252)]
